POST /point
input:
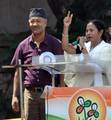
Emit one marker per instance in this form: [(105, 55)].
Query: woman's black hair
[(100, 25)]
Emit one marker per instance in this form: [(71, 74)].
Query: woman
[(96, 47)]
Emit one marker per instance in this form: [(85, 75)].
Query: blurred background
[(14, 28)]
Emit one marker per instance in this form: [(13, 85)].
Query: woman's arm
[(65, 35)]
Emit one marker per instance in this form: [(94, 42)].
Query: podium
[(50, 67)]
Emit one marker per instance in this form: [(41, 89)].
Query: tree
[(83, 11)]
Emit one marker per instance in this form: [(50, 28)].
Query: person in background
[(96, 48), (109, 34), (34, 79)]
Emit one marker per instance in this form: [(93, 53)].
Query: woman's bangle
[(64, 35), (83, 48)]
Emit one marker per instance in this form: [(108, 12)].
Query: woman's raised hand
[(68, 19)]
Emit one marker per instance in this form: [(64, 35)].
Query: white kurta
[(91, 72)]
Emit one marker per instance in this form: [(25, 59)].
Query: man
[(34, 79)]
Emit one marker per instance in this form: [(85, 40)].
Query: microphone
[(78, 40)]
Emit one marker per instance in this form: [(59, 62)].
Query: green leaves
[(96, 114), (87, 103)]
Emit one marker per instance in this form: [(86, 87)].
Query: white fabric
[(101, 58)]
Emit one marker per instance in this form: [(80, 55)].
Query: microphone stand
[(21, 90)]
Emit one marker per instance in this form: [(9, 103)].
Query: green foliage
[(85, 10), (90, 9), (96, 114), (87, 103)]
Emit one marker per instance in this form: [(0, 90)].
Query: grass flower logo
[(87, 104), (83, 105)]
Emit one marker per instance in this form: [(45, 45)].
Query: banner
[(78, 103)]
